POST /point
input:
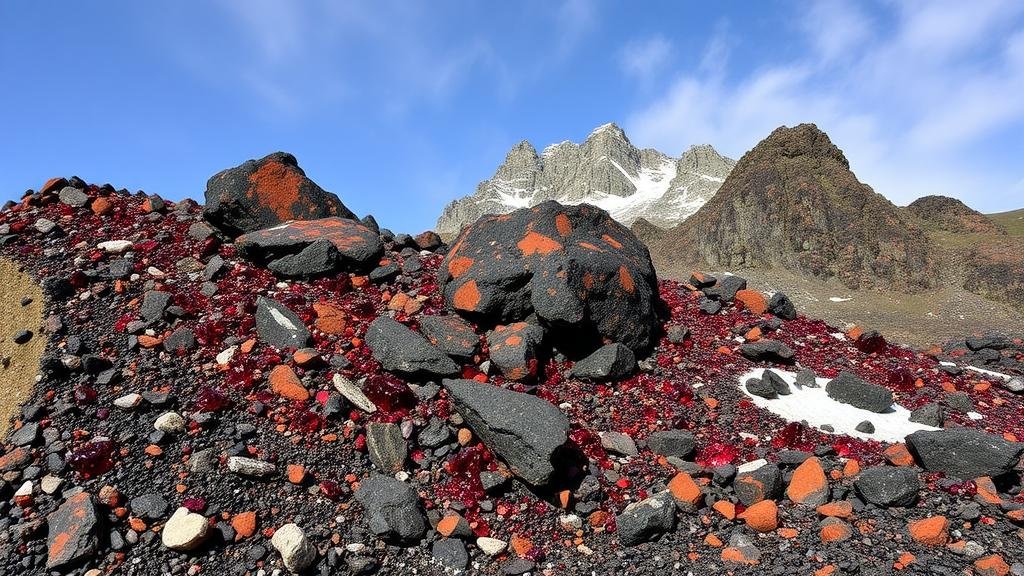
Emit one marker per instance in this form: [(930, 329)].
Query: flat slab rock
[(279, 326), (523, 430), (609, 362), (357, 246), (73, 531), (964, 453), (849, 388), (399, 349)]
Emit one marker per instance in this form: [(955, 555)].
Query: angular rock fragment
[(73, 532), (642, 521), (964, 453), (312, 247), (513, 349), (185, 530), (523, 430), (767, 350), (451, 334), (278, 326), (849, 388), (386, 446), (678, 443), (392, 509), (296, 551), (609, 362), (399, 349)]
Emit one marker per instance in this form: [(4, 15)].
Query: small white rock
[(170, 423), (128, 401), (571, 522), (115, 246), (185, 530), (353, 394), (250, 466), (491, 546), (25, 490), (296, 550), (50, 484), (224, 357)]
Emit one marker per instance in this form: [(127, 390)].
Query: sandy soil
[(19, 363), (917, 320)]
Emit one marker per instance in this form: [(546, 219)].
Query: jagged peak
[(801, 140)]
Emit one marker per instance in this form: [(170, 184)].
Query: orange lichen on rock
[(898, 455), (931, 531), (277, 187), (762, 517), (537, 243), (459, 265), (809, 484), (563, 224), (467, 296), (626, 280), (753, 301), (286, 384)]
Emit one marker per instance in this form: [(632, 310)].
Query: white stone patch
[(224, 357), (281, 319), (839, 299), (814, 406)]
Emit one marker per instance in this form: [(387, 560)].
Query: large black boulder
[(964, 453), (266, 192), (523, 430), (584, 275), (312, 247), (849, 388)]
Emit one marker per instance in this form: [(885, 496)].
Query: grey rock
[(645, 520), (849, 388), (278, 326), (386, 446), (149, 506), (250, 467), (888, 486), (451, 334), (767, 350), (392, 509), (781, 306), (780, 386), (525, 431), (726, 289), (678, 443), (866, 427), (154, 303), (451, 553), (609, 362), (435, 433), (677, 334), (964, 453), (73, 532), (318, 258), (618, 443), (930, 415), (399, 349), (73, 197), (761, 388), (806, 378), (764, 483)]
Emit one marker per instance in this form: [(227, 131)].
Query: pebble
[(185, 530), (128, 401), (250, 466), (297, 552), (115, 246), (170, 422)]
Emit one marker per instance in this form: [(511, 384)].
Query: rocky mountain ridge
[(605, 170)]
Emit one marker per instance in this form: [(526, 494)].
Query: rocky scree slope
[(198, 411), (606, 170), (792, 202)]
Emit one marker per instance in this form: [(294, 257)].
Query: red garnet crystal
[(211, 400), (717, 454), (84, 394), (194, 504), (93, 459)]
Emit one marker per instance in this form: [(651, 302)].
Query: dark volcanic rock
[(764, 483), (782, 306), (451, 334), (278, 326), (777, 383), (850, 389), (392, 509), (679, 443), (767, 350), (609, 362), (642, 521), (73, 533), (525, 431), (726, 288), (888, 486), (399, 349), (576, 268), (301, 243), (761, 387), (929, 415), (264, 193), (964, 453), (513, 349), (386, 446)]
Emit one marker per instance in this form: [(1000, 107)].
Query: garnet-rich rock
[(399, 349), (767, 350), (888, 485), (386, 446), (278, 326), (964, 453), (451, 334), (580, 271), (678, 443), (312, 247), (266, 192), (392, 509), (850, 389), (524, 430), (609, 362), (73, 532), (513, 349), (645, 520)]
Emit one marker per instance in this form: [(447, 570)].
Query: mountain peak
[(801, 140)]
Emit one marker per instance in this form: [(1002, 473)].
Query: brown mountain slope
[(793, 203), (951, 215)]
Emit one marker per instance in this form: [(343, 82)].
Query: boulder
[(401, 350), (278, 326), (726, 288), (266, 192), (392, 509), (514, 349), (964, 453), (74, 532), (609, 362), (645, 520), (888, 486), (781, 306), (767, 350), (312, 247), (849, 388), (578, 270), (678, 443), (523, 430)]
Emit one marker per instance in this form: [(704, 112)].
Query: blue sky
[(399, 107)]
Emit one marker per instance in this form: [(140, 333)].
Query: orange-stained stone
[(788, 533), (725, 508), (520, 545), (898, 455), (305, 357), (1016, 516), (563, 225), (851, 468), (808, 485), (754, 334), (296, 473), (905, 559), (53, 184), (459, 265), (597, 519), (137, 524), (537, 243), (464, 436), (446, 527), (752, 300), (840, 509), (762, 517), (101, 206), (991, 565), (987, 492), (932, 531), (286, 384), (329, 318), (467, 297), (277, 187), (713, 541), (854, 333), (836, 532), (153, 450), (244, 525), (565, 498), (826, 570), (736, 556), (626, 280), (147, 341), (684, 489), (611, 241)]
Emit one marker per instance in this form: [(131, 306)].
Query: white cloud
[(908, 107), (642, 59)]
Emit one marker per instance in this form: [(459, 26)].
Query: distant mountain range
[(606, 170)]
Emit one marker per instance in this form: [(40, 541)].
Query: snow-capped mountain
[(606, 170)]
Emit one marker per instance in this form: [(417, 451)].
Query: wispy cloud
[(907, 106), (642, 58)]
